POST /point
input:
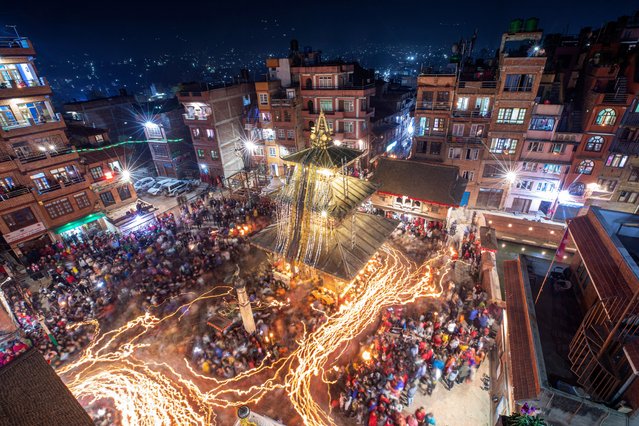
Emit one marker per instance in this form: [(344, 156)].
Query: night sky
[(117, 28)]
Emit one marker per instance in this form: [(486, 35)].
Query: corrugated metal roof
[(339, 256)]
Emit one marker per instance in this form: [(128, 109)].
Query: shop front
[(84, 227)]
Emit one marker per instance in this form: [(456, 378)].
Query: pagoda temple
[(317, 219)]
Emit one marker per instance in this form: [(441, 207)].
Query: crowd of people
[(94, 277), (445, 343)]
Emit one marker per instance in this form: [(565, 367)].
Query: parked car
[(175, 188), (144, 184), (159, 186)]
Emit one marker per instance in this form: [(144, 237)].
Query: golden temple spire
[(320, 133)]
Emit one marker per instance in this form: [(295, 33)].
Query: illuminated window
[(325, 81), (503, 146), (454, 153), (210, 133), (196, 132), (462, 103), (200, 153), (511, 115), (263, 98), (281, 133), (606, 117), (595, 144), (290, 134), (326, 105), (439, 124), (468, 175), (272, 152), (458, 130), (585, 167), (616, 160), (557, 148), (542, 123)]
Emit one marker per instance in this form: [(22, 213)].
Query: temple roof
[(341, 256), (347, 193), (323, 152), (427, 182)]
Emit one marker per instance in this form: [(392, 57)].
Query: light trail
[(118, 365)]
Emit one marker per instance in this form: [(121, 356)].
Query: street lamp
[(126, 175), (511, 177)]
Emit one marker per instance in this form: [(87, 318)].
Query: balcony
[(6, 163), (471, 114), (39, 160), (339, 87), (16, 46), (438, 106), (59, 189), (466, 140), (616, 98), (16, 197), (20, 88), (19, 128), (195, 117)]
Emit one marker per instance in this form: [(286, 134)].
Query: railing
[(195, 117), (5, 158), (62, 184), (429, 105), (19, 124), (471, 114), (59, 152), (52, 187), (14, 43), (481, 85), (465, 139), (338, 87), (30, 158), (615, 98), (20, 84), (15, 192), (517, 89)]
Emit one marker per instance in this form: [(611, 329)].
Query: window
[(58, 208), (529, 167), (37, 111), (215, 155), (330, 124), (628, 197), (82, 200), (283, 151), (511, 115), (545, 187), (606, 117), (281, 133), (472, 154), (290, 134), (458, 130), (424, 126), (435, 148), (287, 115), (266, 117), (349, 106), (525, 184), (518, 83), (348, 126), (616, 160), (196, 132), (542, 123), (468, 175), (607, 184), (99, 138), (438, 124), (326, 105), (493, 170), (454, 153), (115, 166), (634, 175), (585, 167), (258, 151), (443, 96), (96, 172), (19, 219), (595, 144), (577, 188), (422, 147), (554, 169), (107, 198), (263, 98), (272, 152), (200, 153), (210, 133), (325, 81), (477, 130), (462, 103), (536, 146), (482, 104), (160, 150), (153, 131), (503, 146), (124, 192), (557, 148)]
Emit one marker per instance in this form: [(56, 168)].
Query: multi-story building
[(215, 116), (343, 91), (626, 142), (435, 94), (521, 65), (117, 114), (42, 183), (392, 125), (168, 138)]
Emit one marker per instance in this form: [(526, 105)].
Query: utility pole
[(246, 312)]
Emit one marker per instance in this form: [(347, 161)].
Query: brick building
[(43, 186)]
